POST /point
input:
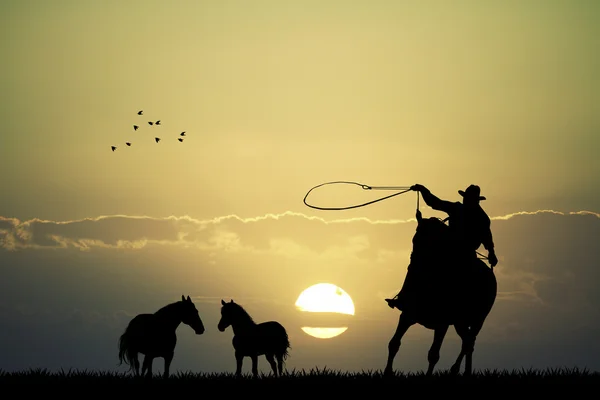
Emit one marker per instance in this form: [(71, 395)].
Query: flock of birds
[(151, 123)]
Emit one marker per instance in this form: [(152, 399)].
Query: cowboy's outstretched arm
[(433, 201)]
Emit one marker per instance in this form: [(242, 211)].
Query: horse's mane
[(432, 228), (242, 311), (167, 308)]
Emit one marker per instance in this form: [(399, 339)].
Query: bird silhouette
[(182, 133), (150, 122), (180, 139), (128, 143), (157, 139), (135, 127), (157, 122), (140, 112), (113, 148)]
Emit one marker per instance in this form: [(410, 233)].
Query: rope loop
[(403, 189)]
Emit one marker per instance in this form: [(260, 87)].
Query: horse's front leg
[(434, 352), (404, 322), (254, 359), (168, 360), (239, 360)]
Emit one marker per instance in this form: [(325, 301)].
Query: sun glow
[(325, 298), (324, 333)]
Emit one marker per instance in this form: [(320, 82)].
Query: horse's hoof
[(454, 370), (388, 372)]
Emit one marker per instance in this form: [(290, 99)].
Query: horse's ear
[(419, 216), (222, 302), (189, 300), (231, 301), (182, 298)]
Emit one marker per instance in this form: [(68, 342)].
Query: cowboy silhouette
[(469, 227)]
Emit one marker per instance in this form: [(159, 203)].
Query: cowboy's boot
[(397, 301)]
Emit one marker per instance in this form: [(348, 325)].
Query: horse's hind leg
[(462, 331), (467, 335), (168, 360), (280, 363), (434, 352), (271, 359), (254, 359), (466, 351), (455, 369), (404, 322), (147, 366), (470, 348), (136, 365)]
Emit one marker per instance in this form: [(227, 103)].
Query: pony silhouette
[(154, 335), (252, 340), (461, 294)]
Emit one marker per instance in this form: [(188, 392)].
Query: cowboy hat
[(472, 191)]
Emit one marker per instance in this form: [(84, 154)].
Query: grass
[(296, 380)]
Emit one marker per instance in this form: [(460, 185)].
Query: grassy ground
[(298, 380)]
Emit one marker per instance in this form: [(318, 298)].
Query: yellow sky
[(279, 96)]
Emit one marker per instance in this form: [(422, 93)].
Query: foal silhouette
[(459, 295), (252, 340), (154, 335)]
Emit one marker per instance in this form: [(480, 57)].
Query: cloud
[(230, 232), (538, 212)]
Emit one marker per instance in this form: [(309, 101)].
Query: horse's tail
[(285, 345), (126, 353)]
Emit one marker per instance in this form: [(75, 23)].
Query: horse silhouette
[(154, 335), (462, 294), (252, 340)]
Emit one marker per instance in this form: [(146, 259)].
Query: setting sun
[(325, 298)]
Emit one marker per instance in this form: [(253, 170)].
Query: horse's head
[(190, 315), (227, 314), (430, 236)]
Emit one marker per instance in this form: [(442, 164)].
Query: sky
[(275, 98)]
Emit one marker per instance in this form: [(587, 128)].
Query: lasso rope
[(403, 189)]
